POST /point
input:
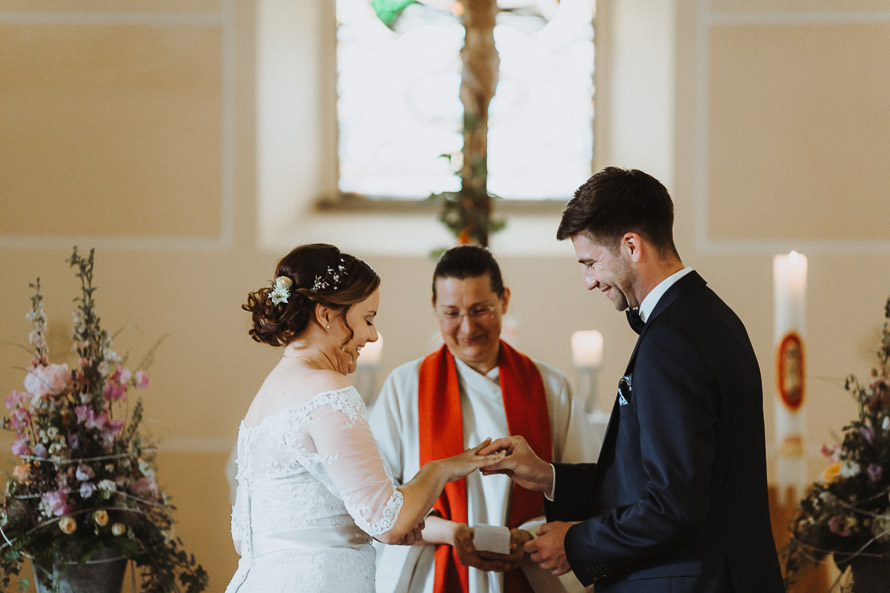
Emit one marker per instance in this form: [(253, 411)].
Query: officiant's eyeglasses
[(477, 314)]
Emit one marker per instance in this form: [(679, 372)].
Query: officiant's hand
[(520, 463), (469, 556), (518, 539), (548, 549)]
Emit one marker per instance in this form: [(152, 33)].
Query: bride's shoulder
[(282, 393)]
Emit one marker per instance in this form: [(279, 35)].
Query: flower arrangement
[(84, 481), (846, 513)]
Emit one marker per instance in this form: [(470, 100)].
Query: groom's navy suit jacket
[(677, 501)]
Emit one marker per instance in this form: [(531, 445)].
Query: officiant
[(474, 386)]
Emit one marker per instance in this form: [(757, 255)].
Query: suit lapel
[(685, 285)]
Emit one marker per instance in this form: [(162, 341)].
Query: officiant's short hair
[(469, 261)]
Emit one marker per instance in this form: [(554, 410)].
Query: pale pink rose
[(54, 503), (122, 375), (20, 447), (52, 379), (21, 472), (144, 486), (141, 379)]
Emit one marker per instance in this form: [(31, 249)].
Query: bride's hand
[(458, 466)]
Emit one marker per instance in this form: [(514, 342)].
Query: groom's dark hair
[(616, 201), (469, 261)]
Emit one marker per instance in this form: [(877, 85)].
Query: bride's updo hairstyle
[(308, 275)]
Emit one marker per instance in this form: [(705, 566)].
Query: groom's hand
[(521, 464), (548, 549)]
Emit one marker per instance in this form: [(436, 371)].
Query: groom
[(677, 500)]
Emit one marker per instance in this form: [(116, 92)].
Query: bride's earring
[(328, 326)]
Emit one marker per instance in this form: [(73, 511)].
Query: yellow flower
[(67, 525), (118, 529), (101, 518), (831, 472)]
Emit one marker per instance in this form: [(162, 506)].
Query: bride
[(312, 486)]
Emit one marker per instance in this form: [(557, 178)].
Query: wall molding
[(706, 20)]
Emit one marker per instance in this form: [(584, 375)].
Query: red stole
[(441, 435)]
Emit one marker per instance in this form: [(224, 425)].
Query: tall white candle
[(789, 285), (587, 355)]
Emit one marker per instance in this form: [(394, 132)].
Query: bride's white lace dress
[(312, 489)]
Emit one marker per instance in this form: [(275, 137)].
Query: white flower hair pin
[(281, 288)]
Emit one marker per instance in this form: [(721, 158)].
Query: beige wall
[(187, 143)]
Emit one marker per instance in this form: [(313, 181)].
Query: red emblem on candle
[(790, 375)]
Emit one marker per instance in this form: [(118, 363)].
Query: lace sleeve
[(349, 455)]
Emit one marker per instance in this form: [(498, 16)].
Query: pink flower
[(21, 472), (20, 448), (874, 472), (82, 413), (838, 525), (115, 391), (141, 379), (54, 503), (96, 420), (40, 451), (144, 486), (19, 419), (16, 398), (110, 431), (868, 433), (122, 375), (52, 379), (84, 472)]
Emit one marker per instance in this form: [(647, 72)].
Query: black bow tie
[(633, 319)]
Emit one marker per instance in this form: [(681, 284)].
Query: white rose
[(850, 469)]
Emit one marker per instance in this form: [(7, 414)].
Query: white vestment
[(394, 422)]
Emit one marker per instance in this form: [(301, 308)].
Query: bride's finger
[(475, 450)]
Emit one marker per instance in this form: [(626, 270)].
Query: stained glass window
[(400, 115)]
